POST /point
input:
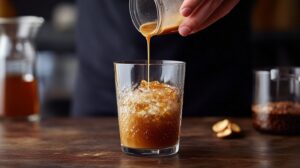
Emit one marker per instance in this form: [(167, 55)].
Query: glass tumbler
[(149, 113), (276, 105), (159, 16)]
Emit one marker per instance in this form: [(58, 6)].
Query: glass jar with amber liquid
[(19, 98)]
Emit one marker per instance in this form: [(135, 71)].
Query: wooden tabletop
[(73, 143)]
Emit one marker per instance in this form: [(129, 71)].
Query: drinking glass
[(149, 113), (276, 105)]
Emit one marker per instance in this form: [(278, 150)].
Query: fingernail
[(186, 11), (184, 30)]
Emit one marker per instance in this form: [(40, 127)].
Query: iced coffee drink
[(149, 116), (149, 113)]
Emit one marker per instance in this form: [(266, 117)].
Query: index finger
[(188, 6)]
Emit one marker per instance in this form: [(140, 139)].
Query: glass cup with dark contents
[(276, 105)]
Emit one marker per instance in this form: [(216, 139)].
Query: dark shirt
[(218, 76)]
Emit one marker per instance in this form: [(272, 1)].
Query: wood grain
[(72, 143)]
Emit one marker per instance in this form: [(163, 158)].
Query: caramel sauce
[(20, 96), (148, 31)]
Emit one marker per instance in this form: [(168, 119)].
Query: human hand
[(199, 14)]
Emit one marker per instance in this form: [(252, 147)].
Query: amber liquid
[(152, 132), (150, 116), (7, 9), (148, 31), (20, 97)]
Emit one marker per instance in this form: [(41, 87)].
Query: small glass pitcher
[(159, 16), (19, 98)]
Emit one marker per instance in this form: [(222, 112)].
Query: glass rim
[(22, 19), (152, 62), (269, 69)]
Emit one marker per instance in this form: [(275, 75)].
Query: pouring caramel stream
[(148, 31)]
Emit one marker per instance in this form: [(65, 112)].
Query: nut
[(226, 129), (225, 134), (235, 128), (220, 126)]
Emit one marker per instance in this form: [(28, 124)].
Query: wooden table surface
[(80, 143)]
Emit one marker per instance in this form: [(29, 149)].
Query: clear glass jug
[(19, 98), (159, 16)]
